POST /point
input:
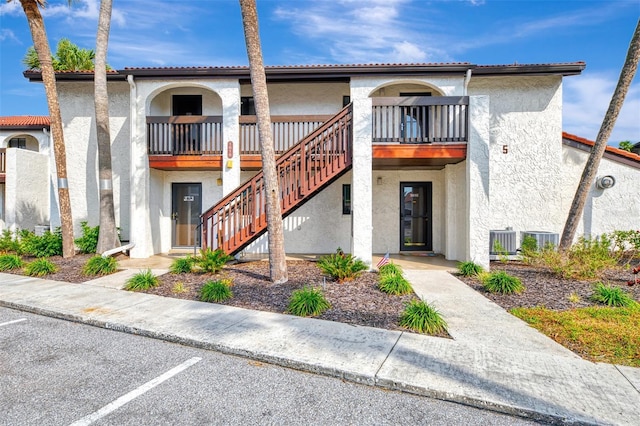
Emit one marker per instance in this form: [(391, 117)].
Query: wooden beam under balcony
[(387, 156), (185, 162)]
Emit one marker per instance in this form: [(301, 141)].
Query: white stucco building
[(25, 172), (418, 157)]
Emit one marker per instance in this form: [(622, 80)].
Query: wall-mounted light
[(379, 180), (605, 182)]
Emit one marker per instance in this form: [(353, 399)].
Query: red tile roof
[(609, 149), (19, 121)]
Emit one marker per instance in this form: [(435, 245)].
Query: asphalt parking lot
[(55, 372)]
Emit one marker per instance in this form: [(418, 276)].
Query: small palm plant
[(342, 267), (212, 261)]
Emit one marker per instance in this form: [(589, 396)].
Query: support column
[(362, 192), (478, 208), (140, 225), (231, 137)]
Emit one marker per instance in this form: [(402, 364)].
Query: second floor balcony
[(411, 127)]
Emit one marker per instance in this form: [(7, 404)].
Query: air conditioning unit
[(41, 229), (543, 238), (507, 240)]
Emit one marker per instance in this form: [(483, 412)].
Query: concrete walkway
[(493, 361)]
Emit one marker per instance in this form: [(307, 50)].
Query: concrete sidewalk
[(493, 361)]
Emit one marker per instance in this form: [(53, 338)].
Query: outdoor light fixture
[(379, 180), (605, 182)]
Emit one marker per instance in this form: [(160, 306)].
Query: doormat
[(419, 254)]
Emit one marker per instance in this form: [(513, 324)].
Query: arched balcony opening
[(185, 121), (412, 113)]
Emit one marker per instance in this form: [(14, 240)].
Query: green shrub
[(88, 243), (307, 302), (182, 265), (47, 245), (10, 261), (40, 267), (143, 280), (501, 282), (422, 318), (9, 243), (469, 268), (216, 291), (394, 284), (391, 269), (342, 267), (212, 261), (99, 265), (611, 296)]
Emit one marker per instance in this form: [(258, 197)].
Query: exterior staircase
[(304, 170)]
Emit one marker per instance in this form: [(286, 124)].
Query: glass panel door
[(185, 214), (415, 216)]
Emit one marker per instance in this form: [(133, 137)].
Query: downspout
[(132, 114), (467, 78)]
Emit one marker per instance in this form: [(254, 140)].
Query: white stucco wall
[(78, 115), (149, 216), (387, 209), (36, 140), (455, 211), (26, 189), (606, 210), (293, 99), (317, 227), (526, 122)]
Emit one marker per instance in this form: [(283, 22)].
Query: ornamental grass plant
[(98, 265), (216, 291), (143, 280), (307, 302), (10, 262), (421, 317)]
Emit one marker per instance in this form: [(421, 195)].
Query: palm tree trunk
[(591, 168), (108, 236), (277, 257), (41, 44)]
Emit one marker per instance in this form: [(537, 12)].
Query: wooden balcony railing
[(184, 135), (420, 119), (287, 130), (240, 217), (3, 160)]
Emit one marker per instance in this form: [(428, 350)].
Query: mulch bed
[(352, 302), (359, 301), (543, 288)]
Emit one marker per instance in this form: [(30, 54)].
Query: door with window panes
[(415, 216)]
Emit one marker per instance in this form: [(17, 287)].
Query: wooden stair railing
[(316, 161)]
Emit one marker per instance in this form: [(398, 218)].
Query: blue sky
[(209, 33)]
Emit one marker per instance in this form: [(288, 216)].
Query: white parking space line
[(12, 322), (134, 393)]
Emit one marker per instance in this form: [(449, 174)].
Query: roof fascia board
[(607, 154)]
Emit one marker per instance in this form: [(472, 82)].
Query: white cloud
[(11, 8), (586, 100), (358, 31), (7, 34)]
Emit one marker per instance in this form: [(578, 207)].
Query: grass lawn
[(600, 334)]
